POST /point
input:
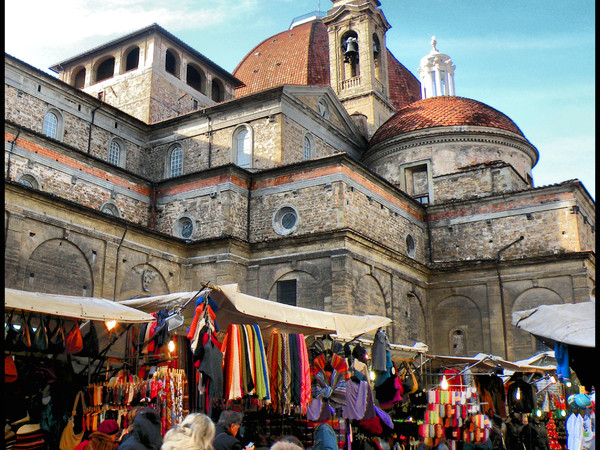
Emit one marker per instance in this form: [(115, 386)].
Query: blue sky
[(533, 60)]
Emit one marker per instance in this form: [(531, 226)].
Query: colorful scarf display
[(245, 371), (290, 372)]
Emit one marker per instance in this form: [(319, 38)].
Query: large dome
[(443, 111), (300, 56)]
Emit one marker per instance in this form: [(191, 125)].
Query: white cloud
[(69, 26)]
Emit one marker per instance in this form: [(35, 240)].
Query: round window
[(410, 246), (285, 220), (184, 227)]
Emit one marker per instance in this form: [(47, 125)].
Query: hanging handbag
[(410, 383), (10, 369), (90, 343), (68, 439), (18, 337), (74, 341), (56, 337), (39, 337)]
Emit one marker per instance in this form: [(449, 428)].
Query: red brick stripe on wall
[(75, 164)]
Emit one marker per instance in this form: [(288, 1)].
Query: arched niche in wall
[(524, 344), (58, 266), (453, 313), (413, 319), (132, 58), (301, 284), (368, 297), (142, 280)]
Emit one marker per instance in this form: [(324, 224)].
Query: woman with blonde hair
[(195, 432)]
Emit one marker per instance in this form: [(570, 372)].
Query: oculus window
[(285, 220), (184, 227)]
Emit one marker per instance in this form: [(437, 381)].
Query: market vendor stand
[(238, 317), (570, 329), (50, 355)]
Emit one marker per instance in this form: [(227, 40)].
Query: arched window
[(79, 79), (242, 146), (195, 78), (172, 63), (133, 59), (175, 162), (106, 69), (116, 153), (410, 246), (50, 127), (308, 145), (377, 56), (349, 45), (216, 91)]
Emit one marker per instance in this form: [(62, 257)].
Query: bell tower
[(358, 59)]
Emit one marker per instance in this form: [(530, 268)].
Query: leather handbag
[(56, 337), (10, 369), (410, 383), (17, 335), (68, 439), (74, 341), (90, 342), (39, 337)]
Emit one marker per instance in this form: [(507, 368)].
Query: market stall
[(54, 344), (289, 368), (571, 330)]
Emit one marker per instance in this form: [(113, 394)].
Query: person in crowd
[(226, 431), (146, 433), (104, 438), (324, 438), (130, 418), (287, 442), (196, 432)]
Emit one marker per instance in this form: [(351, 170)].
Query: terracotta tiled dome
[(300, 56), (443, 112)]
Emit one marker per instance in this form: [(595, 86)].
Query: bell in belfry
[(351, 51)]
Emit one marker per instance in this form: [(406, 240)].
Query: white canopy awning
[(89, 308), (483, 363), (238, 308), (570, 323)]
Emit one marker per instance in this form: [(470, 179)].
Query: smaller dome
[(444, 111)]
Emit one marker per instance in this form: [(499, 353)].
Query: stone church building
[(320, 173)]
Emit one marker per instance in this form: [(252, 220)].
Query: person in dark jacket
[(146, 432), (226, 431)]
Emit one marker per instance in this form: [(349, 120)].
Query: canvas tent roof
[(570, 323), (88, 308), (238, 308), (484, 363)]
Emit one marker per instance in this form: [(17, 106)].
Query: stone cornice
[(451, 134)]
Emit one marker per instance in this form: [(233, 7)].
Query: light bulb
[(518, 394), (110, 324), (444, 383), (171, 346), (372, 375)]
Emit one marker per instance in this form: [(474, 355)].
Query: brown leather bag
[(74, 342), (68, 439), (410, 383)]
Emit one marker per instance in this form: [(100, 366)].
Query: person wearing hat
[(104, 438)]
